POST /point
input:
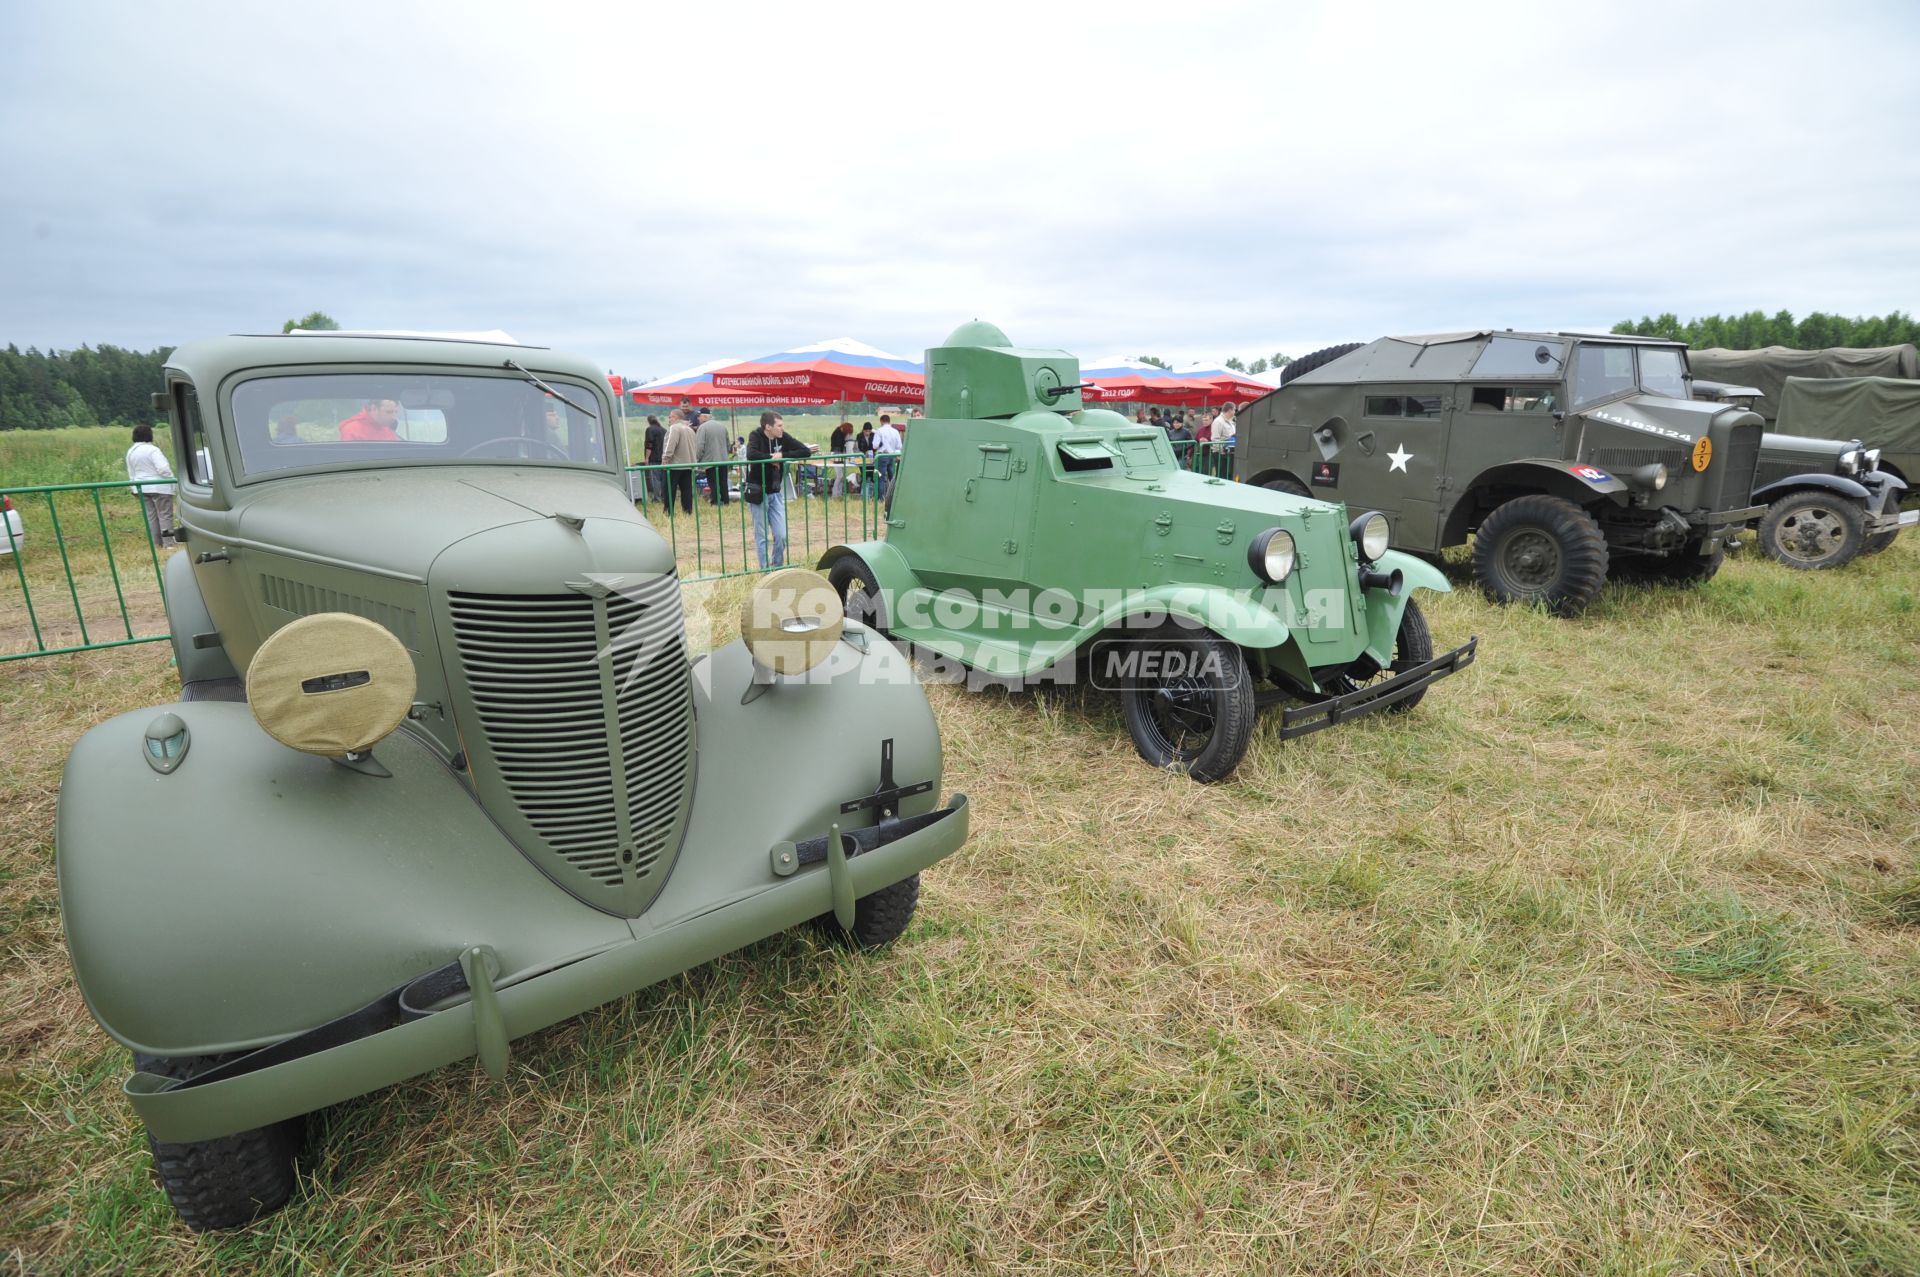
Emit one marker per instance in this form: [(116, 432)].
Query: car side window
[(190, 435), (1524, 399), (1427, 406)]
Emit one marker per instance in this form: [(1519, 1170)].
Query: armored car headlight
[(1370, 534), (791, 620), (1651, 476), (1271, 555)]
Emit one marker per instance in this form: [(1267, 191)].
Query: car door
[(1395, 462)]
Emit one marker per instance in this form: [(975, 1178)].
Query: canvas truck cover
[(1770, 367), (1884, 412)]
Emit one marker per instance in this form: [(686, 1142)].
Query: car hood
[(1681, 420), (1805, 446), (399, 521)]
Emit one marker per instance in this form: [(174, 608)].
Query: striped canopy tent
[(1120, 380), (695, 386), (833, 370), (1224, 383)]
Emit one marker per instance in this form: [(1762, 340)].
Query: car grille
[(1633, 458), (585, 728), (1738, 466)]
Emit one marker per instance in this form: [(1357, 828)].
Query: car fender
[(1836, 484), (1234, 616), (1553, 477), (890, 569), (197, 650)]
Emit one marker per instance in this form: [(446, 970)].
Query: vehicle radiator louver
[(584, 729), (1737, 469)]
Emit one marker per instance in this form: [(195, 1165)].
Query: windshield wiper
[(550, 390)]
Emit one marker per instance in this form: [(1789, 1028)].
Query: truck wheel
[(1813, 530), (879, 917), (859, 590), (230, 1181), (1541, 549), (1318, 359), (1879, 541), (1287, 484), (1412, 645), (1189, 704)]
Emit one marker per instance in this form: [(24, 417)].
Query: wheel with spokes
[(1412, 646), (1813, 530), (1187, 698)]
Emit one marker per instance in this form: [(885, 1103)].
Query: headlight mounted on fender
[(1650, 476), (1370, 534), (1271, 555), (1850, 461)]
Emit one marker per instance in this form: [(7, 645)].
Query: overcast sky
[(658, 185)]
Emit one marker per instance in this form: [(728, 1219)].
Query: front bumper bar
[(1303, 720), (398, 1037)]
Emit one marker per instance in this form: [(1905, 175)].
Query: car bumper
[(1303, 720), (240, 1098)]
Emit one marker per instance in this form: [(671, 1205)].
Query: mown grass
[(1604, 960)]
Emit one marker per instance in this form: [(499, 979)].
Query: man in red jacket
[(373, 423)]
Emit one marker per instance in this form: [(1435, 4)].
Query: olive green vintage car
[(1030, 538), (1564, 456), (443, 772)]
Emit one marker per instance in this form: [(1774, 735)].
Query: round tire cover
[(791, 620), (331, 683)]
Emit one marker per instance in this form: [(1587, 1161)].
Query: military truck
[(1828, 499), (1031, 538), (1882, 412), (443, 772), (1564, 456)]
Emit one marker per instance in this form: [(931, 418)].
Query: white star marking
[(1399, 458)]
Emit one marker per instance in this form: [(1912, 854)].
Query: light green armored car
[(443, 773), (1032, 538)]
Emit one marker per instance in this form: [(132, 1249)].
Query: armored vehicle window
[(1403, 405), (1512, 399), (383, 419), (1519, 357), (1662, 372), (1601, 372)]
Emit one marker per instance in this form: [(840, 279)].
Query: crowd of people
[(1184, 428)]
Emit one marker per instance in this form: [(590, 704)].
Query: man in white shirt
[(1223, 424), (145, 461), (886, 453)]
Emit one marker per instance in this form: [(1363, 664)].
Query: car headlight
[(1271, 555), (1870, 459), (1370, 534), (791, 620), (1651, 476), (1850, 461)]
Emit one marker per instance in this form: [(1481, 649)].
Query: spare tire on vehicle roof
[(1318, 359)]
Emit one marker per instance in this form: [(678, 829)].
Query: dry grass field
[(1605, 960)]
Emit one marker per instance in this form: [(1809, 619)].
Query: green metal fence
[(75, 596), (99, 583), (827, 499)]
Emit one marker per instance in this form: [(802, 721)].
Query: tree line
[(88, 386), (1755, 329)]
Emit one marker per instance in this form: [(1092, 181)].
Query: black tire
[(1199, 723), (1541, 549), (1813, 530), (230, 1181), (859, 591), (879, 917), (1287, 484), (1318, 359), (1879, 541), (1412, 645)]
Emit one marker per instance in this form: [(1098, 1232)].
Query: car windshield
[(1662, 372), (359, 419), (1601, 372)]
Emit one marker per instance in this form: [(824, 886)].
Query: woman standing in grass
[(145, 461)]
